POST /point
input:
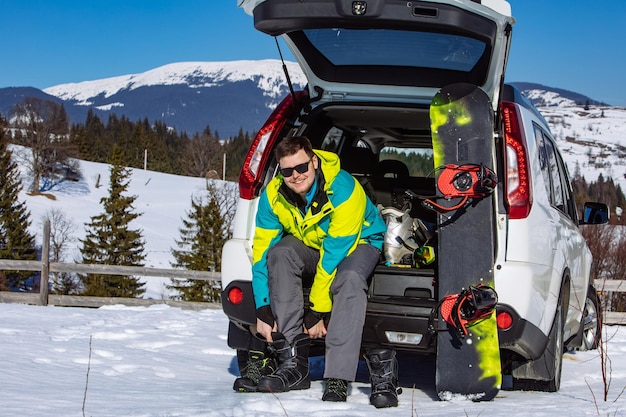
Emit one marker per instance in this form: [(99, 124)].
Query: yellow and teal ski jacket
[(339, 217)]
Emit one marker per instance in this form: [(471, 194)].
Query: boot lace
[(383, 383), (338, 387), (258, 368)]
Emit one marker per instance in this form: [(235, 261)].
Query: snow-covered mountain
[(267, 75), (227, 96), (592, 140), (543, 96), (590, 134)]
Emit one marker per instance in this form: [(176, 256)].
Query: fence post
[(45, 264)]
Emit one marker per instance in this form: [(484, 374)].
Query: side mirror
[(595, 213)]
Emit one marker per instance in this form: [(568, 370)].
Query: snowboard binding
[(466, 308), (465, 182)]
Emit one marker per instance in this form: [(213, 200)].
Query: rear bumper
[(523, 337), (242, 313), (386, 316)]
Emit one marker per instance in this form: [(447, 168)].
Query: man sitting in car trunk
[(315, 225)]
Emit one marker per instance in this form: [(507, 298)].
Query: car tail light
[(518, 191), (504, 320), (250, 177), (235, 295)]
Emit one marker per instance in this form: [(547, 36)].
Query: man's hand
[(265, 329), (314, 324), (317, 331), (265, 323)]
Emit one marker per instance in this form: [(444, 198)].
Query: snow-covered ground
[(164, 361)]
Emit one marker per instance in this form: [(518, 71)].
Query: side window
[(557, 188), (543, 161), (333, 140), (555, 175), (570, 203)]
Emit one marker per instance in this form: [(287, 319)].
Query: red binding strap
[(467, 307), (463, 182)]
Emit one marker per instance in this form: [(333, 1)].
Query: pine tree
[(92, 144), (109, 239), (15, 240), (236, 150), (204, 232)]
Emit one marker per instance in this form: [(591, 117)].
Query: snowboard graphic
[(468, 357)]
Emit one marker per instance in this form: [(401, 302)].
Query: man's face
[(299, 182)]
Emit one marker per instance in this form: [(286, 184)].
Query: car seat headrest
[(396, 168), (357, 160)]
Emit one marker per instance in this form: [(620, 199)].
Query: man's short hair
[(291, 145)]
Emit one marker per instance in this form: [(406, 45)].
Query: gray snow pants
[(290, 263)]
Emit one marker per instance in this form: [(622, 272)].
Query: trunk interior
[(388, 149)]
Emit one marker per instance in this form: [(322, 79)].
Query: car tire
[(547, 368), (591, 321), (557, 346)]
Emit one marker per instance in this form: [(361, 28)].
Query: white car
[(373, 68)]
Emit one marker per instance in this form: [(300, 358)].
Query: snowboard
[(468, 356)]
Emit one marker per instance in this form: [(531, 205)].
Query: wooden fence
[(46, 267), (44, 298), (604, 288)]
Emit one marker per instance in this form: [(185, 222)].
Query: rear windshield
[(365, 47)]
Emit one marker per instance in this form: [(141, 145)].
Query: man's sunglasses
[(301, 168)]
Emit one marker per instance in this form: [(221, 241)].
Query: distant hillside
[(542, 96), (592, 141), (10, 96)]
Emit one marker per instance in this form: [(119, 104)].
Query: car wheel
[(591, 321), (555, 345)]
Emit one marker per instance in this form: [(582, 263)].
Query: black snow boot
[(258, 365), (383, 368), (293, 365)]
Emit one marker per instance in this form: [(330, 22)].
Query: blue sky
[(577, 45)]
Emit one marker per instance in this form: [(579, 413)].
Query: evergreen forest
[(161, 148)]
